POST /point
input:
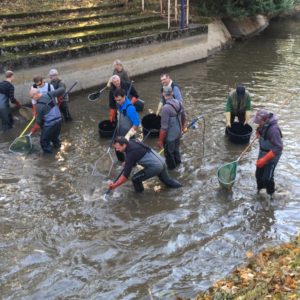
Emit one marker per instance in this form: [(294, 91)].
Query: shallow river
[(61, 239)]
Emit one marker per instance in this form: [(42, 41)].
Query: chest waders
[(265, 176), (154, 165)]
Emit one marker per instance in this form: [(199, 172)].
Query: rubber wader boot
[(167, 180), (137, 182)]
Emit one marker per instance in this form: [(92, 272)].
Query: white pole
[(143, 5), (169, 13), (187, 12), (176, 11), (161, 7)]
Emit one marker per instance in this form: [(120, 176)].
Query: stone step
[(39, 57), (59, 12), (80, 27), (73, 19), (66, 40)]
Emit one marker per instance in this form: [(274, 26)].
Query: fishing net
[(227, 174), (22, 145)]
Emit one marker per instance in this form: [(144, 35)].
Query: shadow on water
[(60, 238)]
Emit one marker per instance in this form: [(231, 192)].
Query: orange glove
[(112, 115), (161, 139), (260, 163), (133, 100), (36, 127), (120, 181)]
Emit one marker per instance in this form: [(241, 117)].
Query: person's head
[(116, 81), (34, 94), (9, 75), (118, 65), (120, 143), (165, 79), (53, 74), (261, 117), (119, 95), (38, 81), (167, 92), (240, 91)]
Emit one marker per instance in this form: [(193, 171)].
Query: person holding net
[(270, 149), (139, 153), (48, 118)]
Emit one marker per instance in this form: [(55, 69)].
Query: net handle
[(245, 150), (30, 123)]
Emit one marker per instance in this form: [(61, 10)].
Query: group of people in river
[(50, 103)]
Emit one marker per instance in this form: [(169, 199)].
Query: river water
[(61, 239)]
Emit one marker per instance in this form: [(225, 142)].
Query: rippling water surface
[(61, 239)]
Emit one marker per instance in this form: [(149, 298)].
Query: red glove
[(260, 163), (112, 115), (161, 139), (36, 127), (17, 104), (257, 134), (120, 181), (60, 100), (133, 100)]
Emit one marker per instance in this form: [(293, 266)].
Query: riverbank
[(95, 70), (272, 274)]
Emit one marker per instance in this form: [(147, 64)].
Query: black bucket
[(139, 105), (151, 122), (239, 133), (106, 128)]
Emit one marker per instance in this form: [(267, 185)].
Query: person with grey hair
[(130, 92), (48, 118), (270, 149), (136, 152), (63, 100), (172, 125), (120, 71), (167, 81), (7, 93)]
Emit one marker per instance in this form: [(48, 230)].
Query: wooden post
[(176, 11), (187, 12), (169, 14)]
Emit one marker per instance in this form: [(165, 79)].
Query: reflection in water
[(60, 239)]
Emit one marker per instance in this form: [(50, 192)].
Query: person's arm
[(275, 138), (133, 93), (135, 120), (11, 94), (58, 92), (177, 94), (183, 120)]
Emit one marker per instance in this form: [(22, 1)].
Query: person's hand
[(112, 186), (109, 83), (35, 128), (228, 124), (161, 138), (133, 100), (120, 181), (257, 134), (184, 130), (18, 104)]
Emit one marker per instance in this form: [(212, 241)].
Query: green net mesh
[(21, 145), (227, 175)]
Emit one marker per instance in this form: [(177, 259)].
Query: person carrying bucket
[(270, 149), (139, 153), (114, 83), (172, 125), (238, 105), (128, 118), (167, 81)]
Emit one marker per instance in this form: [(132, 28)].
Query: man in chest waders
[(270, 149), (48, 118), (153, 164), (128, 118), (172, 124), (238, 105)]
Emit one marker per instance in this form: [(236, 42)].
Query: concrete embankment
[(95, 70)]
